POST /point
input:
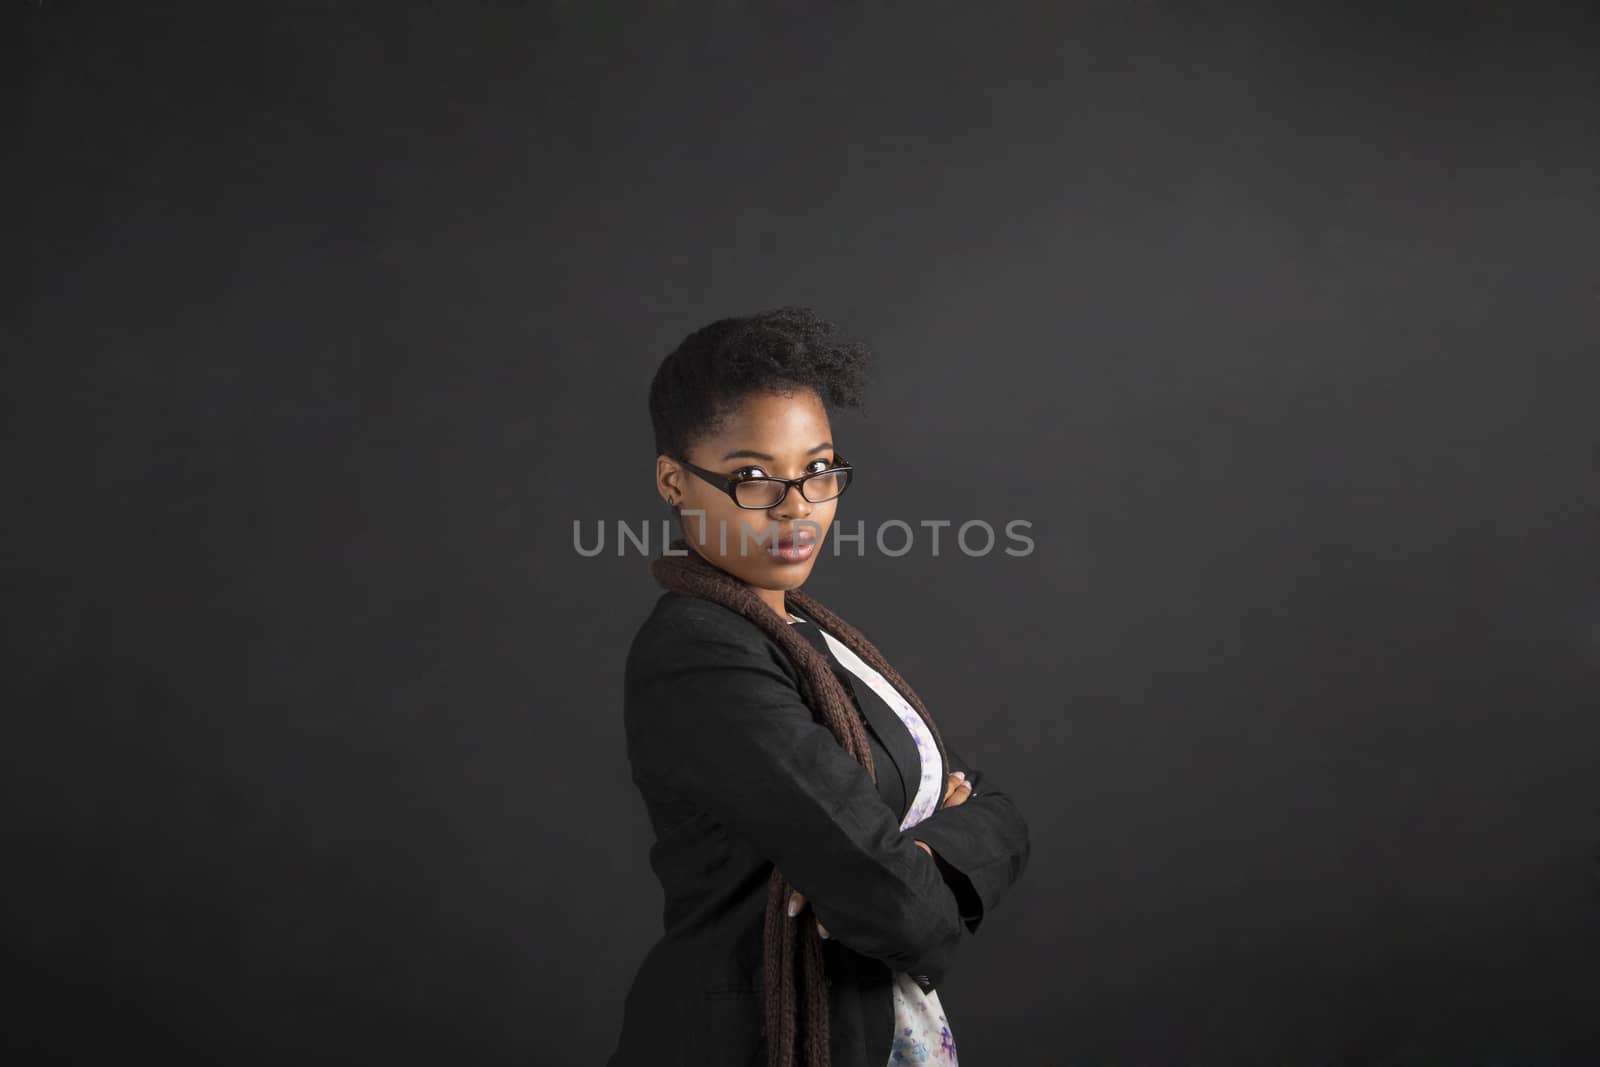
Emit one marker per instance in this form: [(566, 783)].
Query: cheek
[(719, 514)]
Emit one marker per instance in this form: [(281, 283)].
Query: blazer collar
[(897, 783)]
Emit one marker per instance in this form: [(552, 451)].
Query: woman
[(822, 851)]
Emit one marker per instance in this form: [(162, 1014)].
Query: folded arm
[(981, 845), (721, 723)]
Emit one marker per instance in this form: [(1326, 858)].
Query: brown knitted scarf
[(796, 1026)]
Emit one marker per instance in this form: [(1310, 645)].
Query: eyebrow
[(752, 454)]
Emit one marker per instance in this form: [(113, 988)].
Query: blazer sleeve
[(981, 845), (714, 717)]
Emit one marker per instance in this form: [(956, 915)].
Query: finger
[(823, 930), (958, 796), (797, 901)]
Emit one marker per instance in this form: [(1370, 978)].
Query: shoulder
[(682, 629), (698, 670)]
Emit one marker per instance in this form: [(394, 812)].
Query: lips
[(797, 538), (791, 553)]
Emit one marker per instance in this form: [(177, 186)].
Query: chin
[(778, 577)]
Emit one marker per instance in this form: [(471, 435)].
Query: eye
[(744, 473), (826, 463)]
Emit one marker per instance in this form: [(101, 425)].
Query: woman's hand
[(956, 788), (956, 791)]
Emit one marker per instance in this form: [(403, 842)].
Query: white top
[(921, 1032)]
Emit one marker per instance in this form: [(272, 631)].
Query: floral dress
[(921, 1031)]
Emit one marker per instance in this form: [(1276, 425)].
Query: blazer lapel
[(884, 725)]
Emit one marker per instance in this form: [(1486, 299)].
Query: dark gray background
[(1279, 323)]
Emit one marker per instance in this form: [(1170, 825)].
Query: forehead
[(796, 422)]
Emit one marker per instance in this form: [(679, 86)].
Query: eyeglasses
[(759, 494)]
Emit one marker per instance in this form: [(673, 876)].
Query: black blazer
[(736, 775)]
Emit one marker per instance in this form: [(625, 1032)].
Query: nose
[(794, 505)]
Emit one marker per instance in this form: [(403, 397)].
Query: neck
[(773, 598)]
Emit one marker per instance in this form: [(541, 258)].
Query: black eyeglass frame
[(730, 485)]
